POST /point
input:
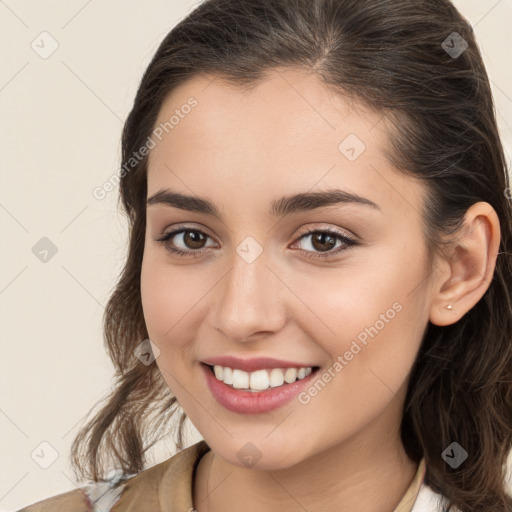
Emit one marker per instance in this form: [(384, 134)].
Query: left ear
[(465, 275)]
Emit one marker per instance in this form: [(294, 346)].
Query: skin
[(342, 450)]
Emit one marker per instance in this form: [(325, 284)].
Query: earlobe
[(470, 266)]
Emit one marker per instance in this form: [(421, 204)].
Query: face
[(339, 286)]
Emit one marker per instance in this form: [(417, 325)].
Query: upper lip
[(251, 365)]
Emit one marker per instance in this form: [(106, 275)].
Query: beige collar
[(168, 486)]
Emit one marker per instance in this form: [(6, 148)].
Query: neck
[(355, 476)]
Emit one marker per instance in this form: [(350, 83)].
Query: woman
[(318, 272)]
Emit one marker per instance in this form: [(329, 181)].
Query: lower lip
[(246, 402)]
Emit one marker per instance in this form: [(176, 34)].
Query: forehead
[(289, 132), (288, 109)]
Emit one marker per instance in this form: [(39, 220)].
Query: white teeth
[(261, 379), (290, 375), (240, 379), (228, 376), (276, 377), (219, 372)]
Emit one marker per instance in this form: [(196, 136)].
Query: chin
[(268, 458)]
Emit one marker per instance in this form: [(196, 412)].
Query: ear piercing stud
[(449, 306)]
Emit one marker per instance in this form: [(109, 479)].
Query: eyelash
[(350, 243)]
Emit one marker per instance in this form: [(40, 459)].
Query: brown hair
[(392, 55)]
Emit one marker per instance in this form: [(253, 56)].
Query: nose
[(251, 300)]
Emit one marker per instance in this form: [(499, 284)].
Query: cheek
[(377, 333), (163, 297), (167, 302), (373, 314), (173, 299)]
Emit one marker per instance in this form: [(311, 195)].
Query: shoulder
[(164, 486)]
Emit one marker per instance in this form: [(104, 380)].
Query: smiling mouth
[(260, 380)]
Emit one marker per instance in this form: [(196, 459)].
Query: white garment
[(428, 500), (103, 495)]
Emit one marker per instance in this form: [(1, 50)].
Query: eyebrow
[(283, 206)]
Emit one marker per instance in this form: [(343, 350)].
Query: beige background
[(60, 137)]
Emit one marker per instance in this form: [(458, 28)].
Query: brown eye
[(185, 242), (193, 239), (323, 241)]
